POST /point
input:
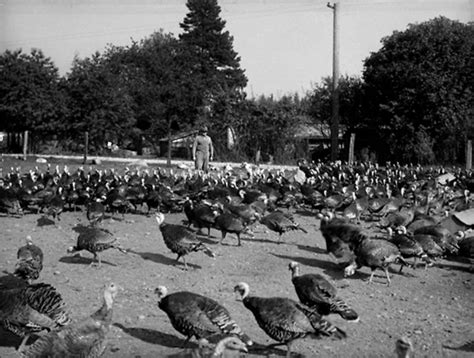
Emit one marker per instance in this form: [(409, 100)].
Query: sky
[(285, 45)]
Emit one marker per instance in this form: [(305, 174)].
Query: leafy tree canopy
[(420, 85), (30, 92)]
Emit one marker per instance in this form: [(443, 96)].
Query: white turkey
[(86, 338), (180, 240), (29, 261), (31, 309), (316, 291), (198, 316), (286, 320), (95, 240)]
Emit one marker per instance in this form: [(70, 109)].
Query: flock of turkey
[(369, 216)]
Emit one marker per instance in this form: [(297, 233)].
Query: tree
[(319, 100), (268, 125), (420, 85), (216, 66), (31, 96), (100, 102)]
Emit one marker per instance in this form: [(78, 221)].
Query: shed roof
[(315, 131), (179, 136)]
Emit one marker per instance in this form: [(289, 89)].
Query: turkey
[(408, 246), (286, 320), (280, 222), (398, 218), (444, 238), (226, 347), (54, 205), (85, 338), (29, 261), (316, 291), (201, 215), (375, 253), (31, 309), (95, 212), (9, 203), (116, 202), (180, 240), (341, 237), (430, 247), (466, 248), (95, 240), (198, 316), (229, 223), (249, 213)]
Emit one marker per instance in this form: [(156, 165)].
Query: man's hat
[(203, 129)]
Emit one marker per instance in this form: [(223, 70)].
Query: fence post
[(351, 148), (25, 144), (86, 146), (469, 155)]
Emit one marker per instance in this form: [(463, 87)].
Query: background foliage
[(414, 102)]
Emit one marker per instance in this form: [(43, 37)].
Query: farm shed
[(315, 140), (181, 144)]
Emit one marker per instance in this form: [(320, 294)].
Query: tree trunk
[(168, 161)]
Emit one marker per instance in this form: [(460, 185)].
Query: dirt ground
[(435, 308)]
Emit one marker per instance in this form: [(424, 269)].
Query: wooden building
[(314, 140)]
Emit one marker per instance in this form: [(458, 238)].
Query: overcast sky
[(285, 46)]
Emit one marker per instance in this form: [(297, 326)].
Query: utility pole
[(335, 83)]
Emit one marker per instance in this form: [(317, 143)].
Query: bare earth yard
[(435, 308)]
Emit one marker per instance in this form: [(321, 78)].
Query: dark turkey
[(229, 223), (444, 238), (249, 213), (341, 237), (29, 261), (398, 218), (180, 240), (95, 240), (54, 205), (466, 247), (9, 203), (316, 291), (430, 247), (201, 215), (116, 202), (86, 338), (198, 316), (280, 222), (375, 253), (95, 212), (408, 246), (31, 309), (286, 320)]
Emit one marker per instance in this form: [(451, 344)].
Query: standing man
[(203, 150)]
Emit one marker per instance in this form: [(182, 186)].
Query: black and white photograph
[(236, 178)]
